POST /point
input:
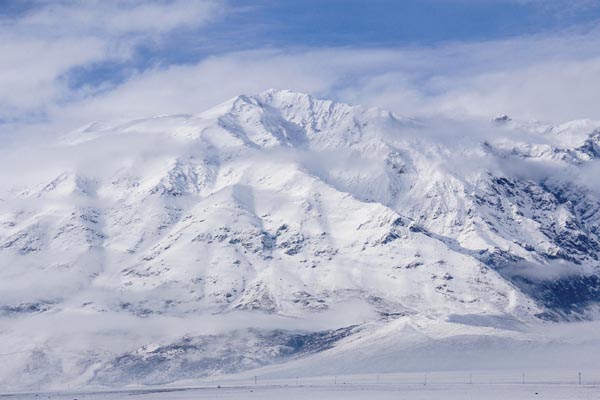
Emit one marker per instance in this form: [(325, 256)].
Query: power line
[(15, 352)]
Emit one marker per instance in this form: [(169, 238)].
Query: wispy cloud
[(115, 18), (48, 40)]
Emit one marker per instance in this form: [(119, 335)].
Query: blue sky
[(67, 61), (349, 23), (400, 22)]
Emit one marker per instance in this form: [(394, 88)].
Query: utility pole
[(425, 381), (523, 378), (335, 379), (378, 379), (297, 381), (470, 379), (255, 380), (580, 378)]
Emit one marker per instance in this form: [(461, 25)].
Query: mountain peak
[(283, 99)]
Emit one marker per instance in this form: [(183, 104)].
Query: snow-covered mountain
[(280, 227)]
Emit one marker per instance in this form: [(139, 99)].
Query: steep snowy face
[(283, 205), (277, 202)]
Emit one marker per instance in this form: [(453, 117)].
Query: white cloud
[(118, 17), (30, 68), (548, 78), (39, 47), (554, 90)]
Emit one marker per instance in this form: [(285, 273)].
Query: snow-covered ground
[(465, 385)]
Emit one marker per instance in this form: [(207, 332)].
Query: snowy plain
[(460, 385)]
